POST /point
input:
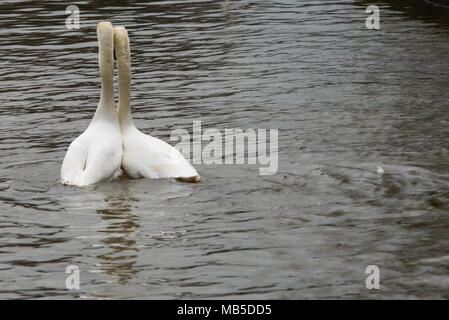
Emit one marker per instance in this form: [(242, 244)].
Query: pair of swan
[(112, 143)]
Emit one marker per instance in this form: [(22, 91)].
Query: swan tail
[(74, 164)]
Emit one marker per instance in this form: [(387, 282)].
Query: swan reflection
[(121, 225)]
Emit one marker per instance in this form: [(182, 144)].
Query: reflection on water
[(119, 231), (346, 101)]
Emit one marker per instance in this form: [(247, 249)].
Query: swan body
[(143, 155), (96, 154)]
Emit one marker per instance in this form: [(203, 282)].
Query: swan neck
[(124, 91), (123, 55), (106, 64)]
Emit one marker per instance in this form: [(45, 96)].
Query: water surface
[(346, 100)]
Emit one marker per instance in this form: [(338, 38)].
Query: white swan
[(143, 155), (96, 154)]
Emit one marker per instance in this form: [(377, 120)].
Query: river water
[(348, 103)]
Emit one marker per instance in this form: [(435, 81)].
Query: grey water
[(347, 102)]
